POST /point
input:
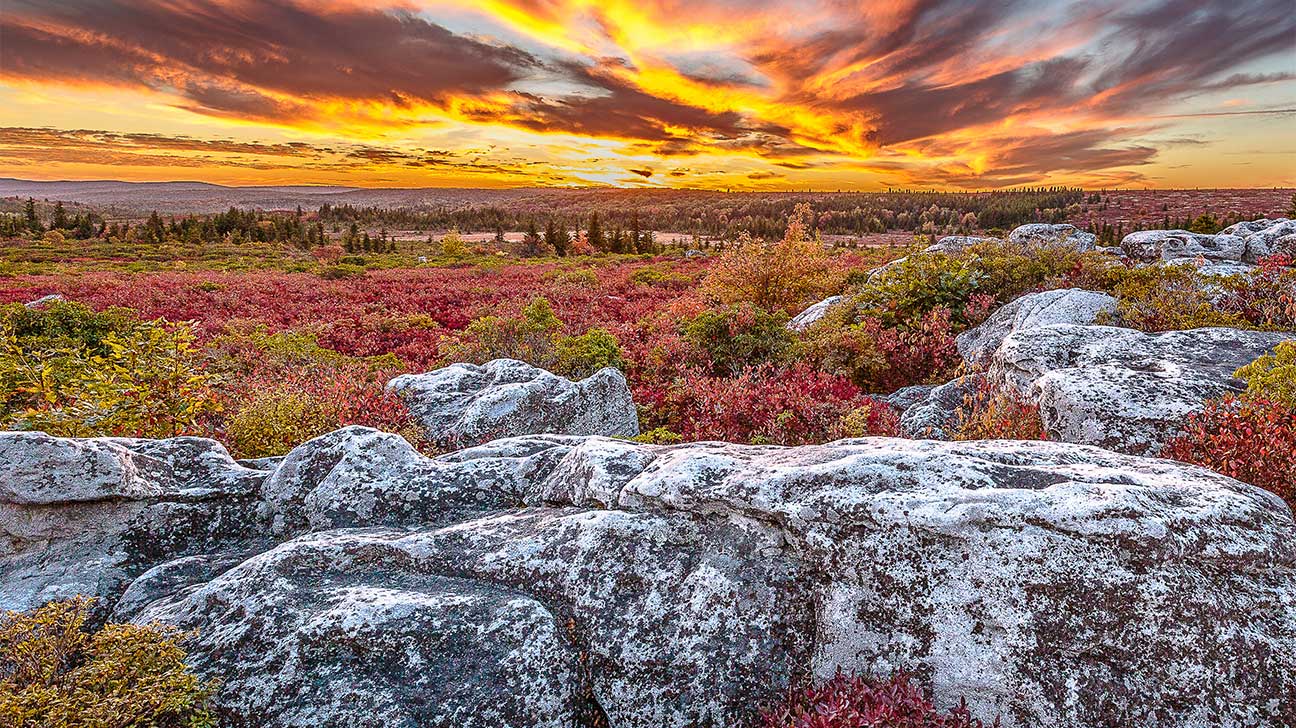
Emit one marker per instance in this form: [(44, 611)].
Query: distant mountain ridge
[(198, 197)]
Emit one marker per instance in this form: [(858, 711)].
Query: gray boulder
[(1061, 306), (957, 243), (1043, 235), (1124, 389), (813, 314), (465, 404), (651, 586), (88, 516), (45, 300), (937, 415), (906, 397), (1170, 245), (1247, 228), (1277, 238)]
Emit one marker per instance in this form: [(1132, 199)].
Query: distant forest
[(715, 216), (720, 215)]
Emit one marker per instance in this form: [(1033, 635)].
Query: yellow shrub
[(785, 276), (55, 674), (1273, 376)]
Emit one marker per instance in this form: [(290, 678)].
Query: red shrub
[(1251, 440), (852, 701), (786, 406)]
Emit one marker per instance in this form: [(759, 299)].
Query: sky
[(715, 94)]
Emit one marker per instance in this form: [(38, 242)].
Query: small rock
[(466, 404), (813, 314), (45, 300)]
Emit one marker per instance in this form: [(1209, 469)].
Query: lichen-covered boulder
[(678, 587), (1044, 235), (45, 300), (601, 581), (906, 397), (1172, 245), (87, 516), (1061, 306), (812, 314), (957, 243), (1276, 238), (466, 404), (1124, 389)]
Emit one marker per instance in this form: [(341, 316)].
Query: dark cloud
[(930, 67), (645, 173), (229, 58)]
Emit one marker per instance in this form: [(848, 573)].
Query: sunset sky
[(688, 93)]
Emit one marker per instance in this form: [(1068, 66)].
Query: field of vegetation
[(263, 329)]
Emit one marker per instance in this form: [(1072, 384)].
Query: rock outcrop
[(812, 314), (1180, 245), (590, 581), (87, 516), (1265, 237), (1043, 235), (466, 404), (1124, 389), (957, 243), (1060, 306), (935, 414)]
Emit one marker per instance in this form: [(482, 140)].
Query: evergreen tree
[(84, 227), (29, 217), (155, 230), (531, 242), (60, 221), (499, 235), (633, 246), (595, 234), (557, 238)]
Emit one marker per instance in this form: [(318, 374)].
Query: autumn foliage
[(859, 701), (57, 673)]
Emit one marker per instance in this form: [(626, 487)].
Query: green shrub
[(657, 277), (575, 276), (342, 271), (737, 337), (54, 673), (659, 436), (1272, 377), (527, 337), (581, 356), (64, 324), (919, 284), (148, 381), (1166, 298)]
